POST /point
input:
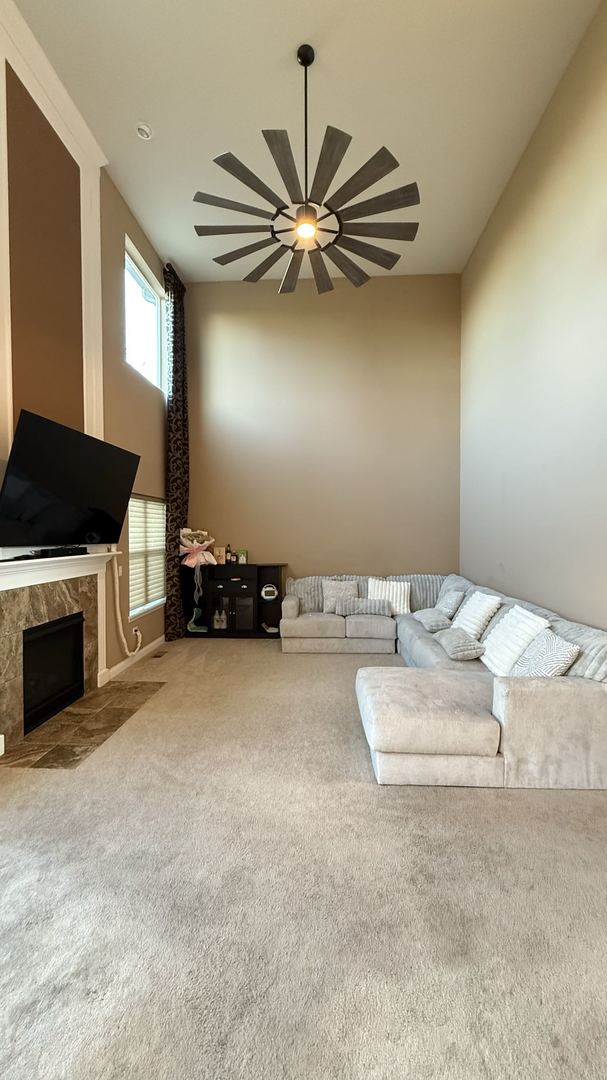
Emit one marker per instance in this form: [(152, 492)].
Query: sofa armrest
[(554, 731), (290, 606)]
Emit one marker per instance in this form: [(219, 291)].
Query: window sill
[(138, 612)]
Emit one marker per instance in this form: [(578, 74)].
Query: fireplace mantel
[(23, 573)]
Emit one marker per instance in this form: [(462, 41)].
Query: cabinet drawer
[(233, 588), (243, 572)]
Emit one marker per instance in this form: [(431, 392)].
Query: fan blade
[(236, 168), (240, 253), (280, 149), (373, 254), (351, 270), (289, 281), (229, 204), (334, 146), (378, 166), (227, 230), (390, 200), (321, 274), (386, 230), (267, 264)]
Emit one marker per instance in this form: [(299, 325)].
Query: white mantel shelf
[(20, 574)]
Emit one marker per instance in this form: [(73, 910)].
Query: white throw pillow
[(476, 612), (510, 638), (397, 592)]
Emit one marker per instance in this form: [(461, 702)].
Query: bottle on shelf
[(217, 620), (223, 620), (228, 553)]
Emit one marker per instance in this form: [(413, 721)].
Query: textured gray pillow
[(548, 655), (459, 645), (432, 619), (355, 605), (449, 601), (333, 590)]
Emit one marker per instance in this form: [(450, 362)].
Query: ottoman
[(426, 726)]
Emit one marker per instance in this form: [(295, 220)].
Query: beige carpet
[(221, 891)]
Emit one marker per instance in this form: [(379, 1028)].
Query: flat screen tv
[(63, 488)]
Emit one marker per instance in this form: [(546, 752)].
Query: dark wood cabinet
[(237, 600)]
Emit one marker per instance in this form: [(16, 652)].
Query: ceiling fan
[(324, 227)]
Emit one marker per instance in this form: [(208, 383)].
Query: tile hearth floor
[(65, 740)]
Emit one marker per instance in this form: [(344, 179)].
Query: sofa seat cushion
[(314, 624), (407, 711), (370, 626)]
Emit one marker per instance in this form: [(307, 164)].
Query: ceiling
[(453, 89)]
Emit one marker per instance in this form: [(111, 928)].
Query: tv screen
[(62, 487)]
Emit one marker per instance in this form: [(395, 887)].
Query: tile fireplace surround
[(35, 592)]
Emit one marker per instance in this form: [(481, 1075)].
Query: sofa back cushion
[(309, 591), (424, 588)]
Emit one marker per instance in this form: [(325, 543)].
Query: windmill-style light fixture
[(323, 227)]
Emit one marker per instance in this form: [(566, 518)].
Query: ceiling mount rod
[(305, 57)]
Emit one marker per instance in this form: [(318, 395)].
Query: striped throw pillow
[(360, 605), (476, 612), (508, 641), (397, 592), (548, 655)]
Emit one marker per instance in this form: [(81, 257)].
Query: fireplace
[(53, 668)]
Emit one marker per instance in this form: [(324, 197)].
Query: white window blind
[(146, 554)]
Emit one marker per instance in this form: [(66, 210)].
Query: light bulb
[(306, 230)]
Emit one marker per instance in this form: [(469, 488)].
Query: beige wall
[(325, 430), (534, 361), (45, 269), (134, 409)]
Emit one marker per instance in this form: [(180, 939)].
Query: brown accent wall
[(325, 430), (534, 361), (135, 411), (45, 264)]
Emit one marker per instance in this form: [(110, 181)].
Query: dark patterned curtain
[(177, 454)]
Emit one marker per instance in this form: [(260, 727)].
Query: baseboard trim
[(110, 673)]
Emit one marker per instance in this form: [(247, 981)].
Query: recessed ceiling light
[(144, 132)]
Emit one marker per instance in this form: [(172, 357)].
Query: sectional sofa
[(451, 722)]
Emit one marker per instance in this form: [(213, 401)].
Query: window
[(146, 554), (143, 319)]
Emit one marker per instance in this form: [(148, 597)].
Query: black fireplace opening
[(53, 668)]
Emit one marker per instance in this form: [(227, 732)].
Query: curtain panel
[(177, 449)]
